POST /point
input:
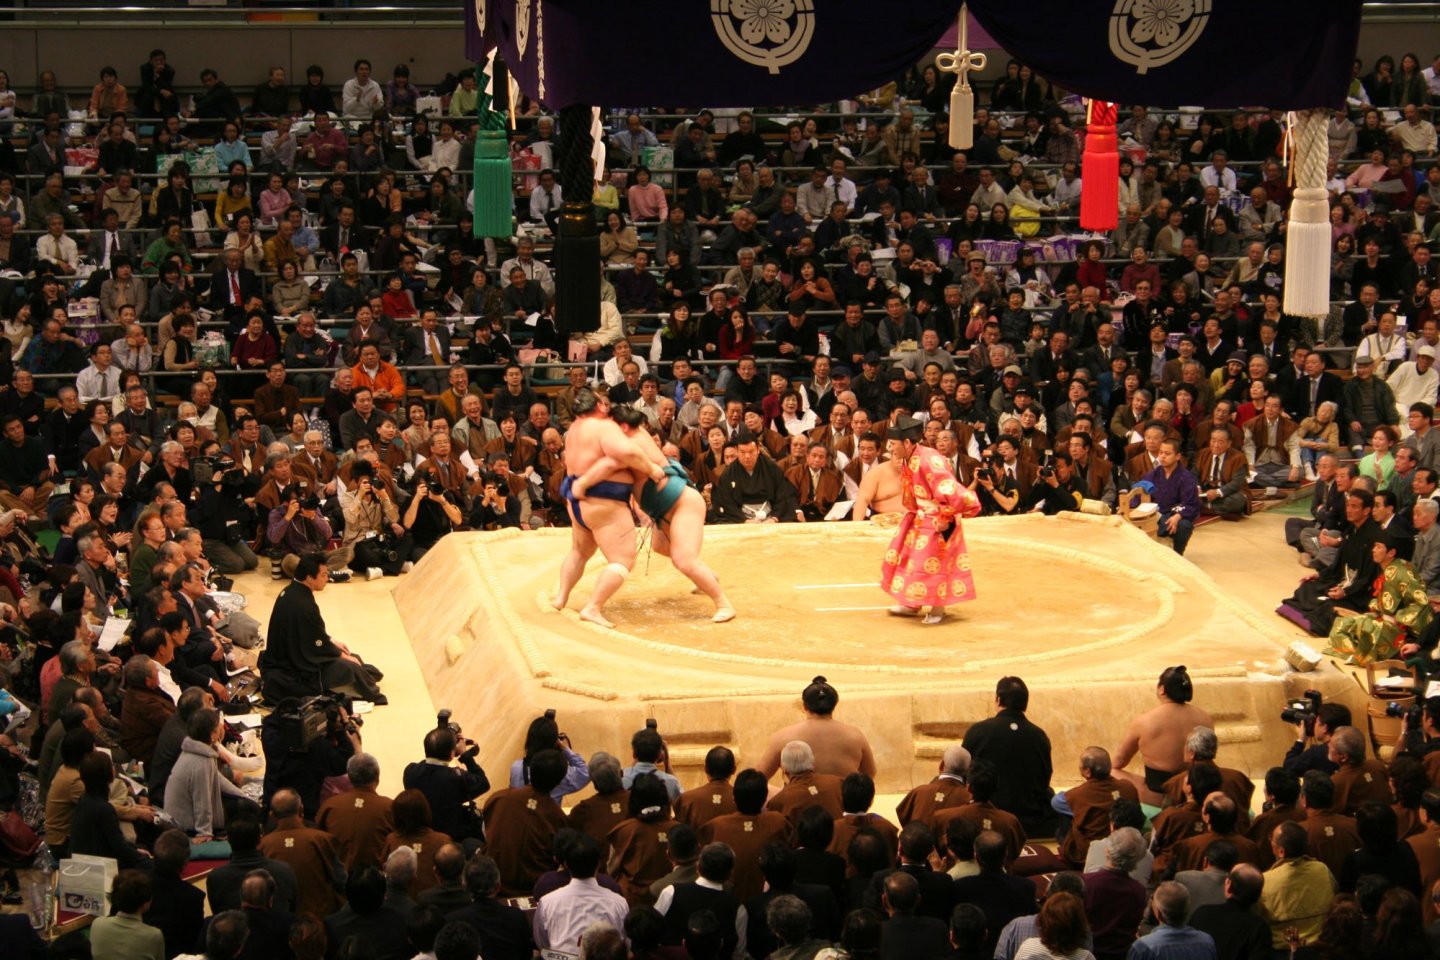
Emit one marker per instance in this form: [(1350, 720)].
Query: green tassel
[(494, 197)]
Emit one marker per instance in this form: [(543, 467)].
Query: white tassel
[(962, 116), (962, 98), (597, 144), (1307, 237)]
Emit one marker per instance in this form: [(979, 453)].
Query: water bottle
[(42, 891)]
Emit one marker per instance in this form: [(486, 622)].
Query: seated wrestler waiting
[(1158, 735)]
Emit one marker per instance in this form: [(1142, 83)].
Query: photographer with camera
[(1056, 488), (544, 734), (301, 658), (299, 753), (1421, 738), (995, 482), (495, 506), (451, 789), (1315, 721), (430, 514), (225, 516), (296, 528), (382, 546)]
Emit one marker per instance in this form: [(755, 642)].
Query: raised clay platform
[(1087, 610)]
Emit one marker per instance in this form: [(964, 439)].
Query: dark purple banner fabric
[(1213, 53)]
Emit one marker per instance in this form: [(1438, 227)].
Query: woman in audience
[(255, 349), (411, 812), (419, 143), (544, 734), (95, 826), (231, 201), (106, 512), (243, 237), (1064, 931), (194, 794), (637, 855), (618, 240), (290, 294)]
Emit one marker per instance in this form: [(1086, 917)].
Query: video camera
[(1304, 710), (206, 469), (305, 721)]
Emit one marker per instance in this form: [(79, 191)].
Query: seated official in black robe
[(300, 657)]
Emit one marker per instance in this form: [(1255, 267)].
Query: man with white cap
[(1414, 381)]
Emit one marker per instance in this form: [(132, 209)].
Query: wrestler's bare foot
[(899, 611), (595, 616), (723, 614)]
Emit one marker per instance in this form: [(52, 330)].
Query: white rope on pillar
[(962, 98), (1307, 237), (597, 141)]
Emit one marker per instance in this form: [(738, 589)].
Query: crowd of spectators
[(799, 291), (599, 857)]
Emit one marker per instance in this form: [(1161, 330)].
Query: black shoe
[(380, 700)]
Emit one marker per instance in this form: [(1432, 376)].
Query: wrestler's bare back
[(591, 438)]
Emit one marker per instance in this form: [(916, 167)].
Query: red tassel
[(1100, 174)]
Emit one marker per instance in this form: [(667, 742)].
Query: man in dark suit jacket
[(1203, 214), (224, 884), (1058, 354), (156, 96), (366, 916), (269, 927), (905, 935), (1316, 387), (502, 928), (178, 907), (231, 284), (936, 890), (46, 155), (427, 344), (1237, 931), (1000, 895), (345, 234)]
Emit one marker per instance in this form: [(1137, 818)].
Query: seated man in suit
[(232, 285), (817, 484), (427, 344), (1223, 474)]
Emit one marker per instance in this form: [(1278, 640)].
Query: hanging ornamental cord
[(962, 98), (1307, 236), (577, 248), (494, 191), (1100, 199)]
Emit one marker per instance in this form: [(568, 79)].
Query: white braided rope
[(1307, 256), (597, 141)]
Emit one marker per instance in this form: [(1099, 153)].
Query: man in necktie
[(546, 198), (1223, 473), (429, 346)]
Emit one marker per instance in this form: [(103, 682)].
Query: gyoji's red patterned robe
[(921, 567)]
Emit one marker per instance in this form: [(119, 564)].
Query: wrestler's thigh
[(686, 526), (613, 529), (582, 541)]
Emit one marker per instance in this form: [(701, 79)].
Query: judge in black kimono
[(300, 657), (1350, 577), (753, 489)]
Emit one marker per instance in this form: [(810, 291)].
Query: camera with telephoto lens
[(1411, 712), (1304, 710), (310, 502), (443, 721)]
